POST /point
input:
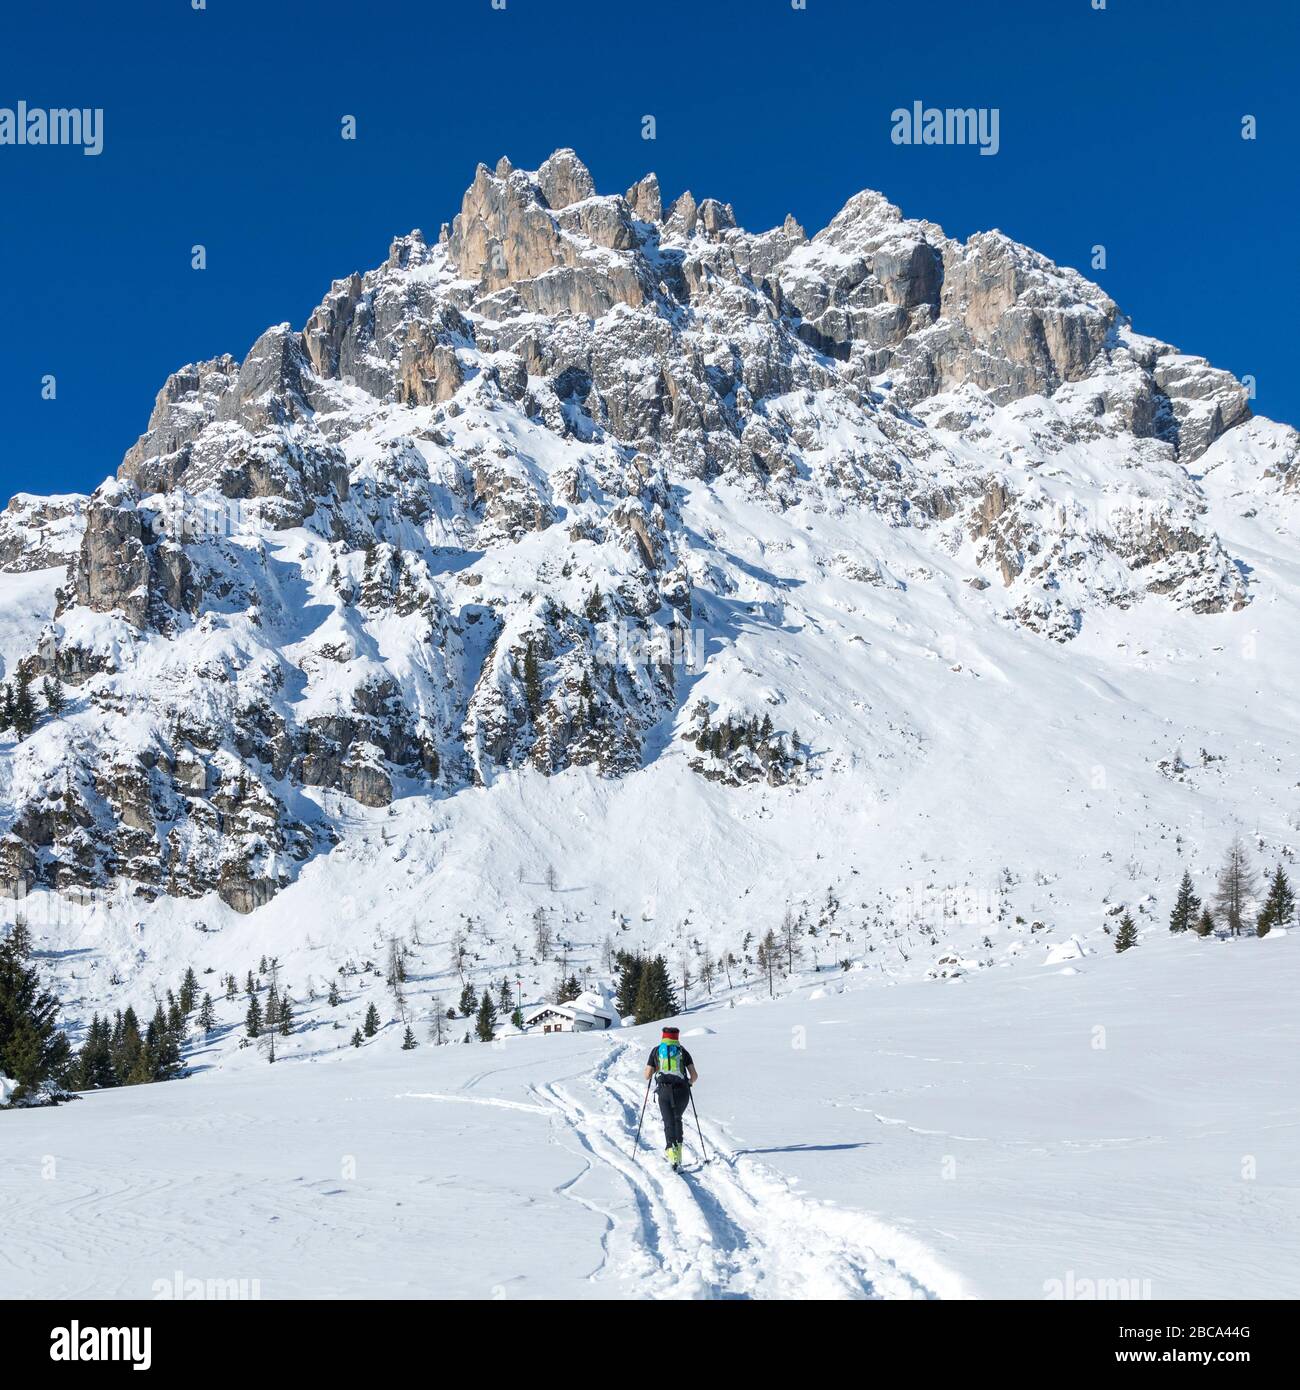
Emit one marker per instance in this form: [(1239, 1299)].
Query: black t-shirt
[(653, 1060)]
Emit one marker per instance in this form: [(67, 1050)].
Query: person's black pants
[(674, 1097)]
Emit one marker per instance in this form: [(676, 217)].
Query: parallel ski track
[(727, 1229)]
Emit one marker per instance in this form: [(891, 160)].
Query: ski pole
[(703, 1150), (636, 1143)]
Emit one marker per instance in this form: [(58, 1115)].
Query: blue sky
[(1119, 126)]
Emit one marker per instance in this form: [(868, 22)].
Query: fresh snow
[(1134, 1119)]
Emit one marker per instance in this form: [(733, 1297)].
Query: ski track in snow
[(726, 1229), (474, 1100)]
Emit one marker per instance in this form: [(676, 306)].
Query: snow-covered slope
[(887, 577), (1119, 1126)]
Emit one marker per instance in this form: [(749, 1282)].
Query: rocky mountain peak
[(564, 179), (465, 522)]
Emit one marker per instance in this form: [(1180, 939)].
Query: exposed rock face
[(115, 567), (186, 405), (39, 533), (564, 179), (453, 527)]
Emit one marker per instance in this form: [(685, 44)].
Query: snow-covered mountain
[(609, 558)]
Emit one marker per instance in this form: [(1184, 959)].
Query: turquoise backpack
[(671, 1062)]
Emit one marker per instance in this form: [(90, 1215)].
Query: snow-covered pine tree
[(372, 1021), (33, 1049), (55, 699), (1126, 937), (1186, 906), (486, 1022), (24, 709), (189, 991), (1279, 904)]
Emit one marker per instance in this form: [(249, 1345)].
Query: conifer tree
[(629, 967), (468, 1000), (438, 1022), (253, 1018), (142, 1071), (356, 1037), (207, 1015), (486, 1023), (189, 991), (1126, 937), (94, 1065), (334, 997), (24, 710), (285, 1015), (130, 1064), (1186, 906), (55, 700), (408, 1040), (656, 998), (790, 940), (33, 1049), (1235, 888), (1204, 923), (1279, 904), (505, 999), (769, 955), (372, 1021)]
